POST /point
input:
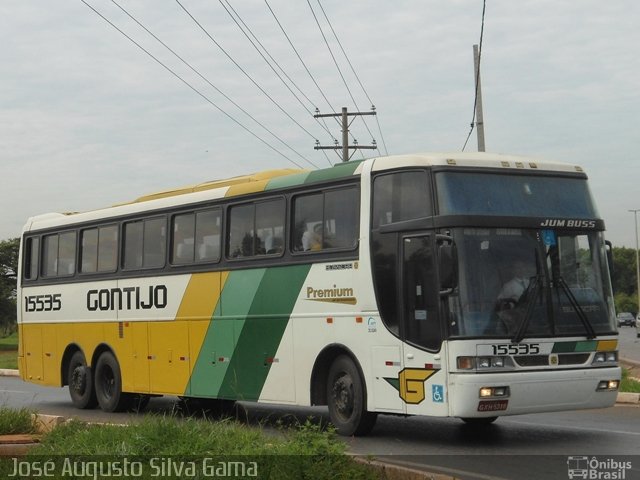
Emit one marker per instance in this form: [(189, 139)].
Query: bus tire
[(80, 379), (346, 398), (108, 382)]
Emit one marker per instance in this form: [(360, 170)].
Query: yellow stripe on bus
[(607, 345)]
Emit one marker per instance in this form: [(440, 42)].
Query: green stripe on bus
[(286, 181), (564, 347), (219, 345), (590, 346), (262, 332), (571, 347), (345, 169)]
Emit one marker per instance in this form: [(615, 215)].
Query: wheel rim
[(108, 382), (343, 396), (78, 381)]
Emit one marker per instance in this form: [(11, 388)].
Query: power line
[(244, 71), (239, 18), (189, 85), (475, 101), (355, 74), (317, 115), (299, 57), (207, 80), (229, 11), (336, 64)]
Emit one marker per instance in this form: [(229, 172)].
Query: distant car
[(626, 319), (638, 326)]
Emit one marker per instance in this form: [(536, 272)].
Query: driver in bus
[(510, 295)]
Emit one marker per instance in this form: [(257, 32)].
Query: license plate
[(492, 405)]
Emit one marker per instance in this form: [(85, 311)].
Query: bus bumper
[(531, 392)]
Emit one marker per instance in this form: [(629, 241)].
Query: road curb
[(6, 372), (391, 471), (630, 362), (628, 398)]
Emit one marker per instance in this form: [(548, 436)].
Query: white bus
[(452, 285)]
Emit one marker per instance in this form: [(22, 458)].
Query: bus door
[(423, 378)]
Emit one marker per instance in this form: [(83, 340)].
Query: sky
[(88, 119)]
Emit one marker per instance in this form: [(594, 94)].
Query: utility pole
[(635, 214), (345, 147), (478, 101)]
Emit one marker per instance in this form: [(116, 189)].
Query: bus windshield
[(524, 282), (465, 193)]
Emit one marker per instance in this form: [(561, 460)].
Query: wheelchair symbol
[(437, 393)]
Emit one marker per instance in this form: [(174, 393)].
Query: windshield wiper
[(531, 294), (578, 309)]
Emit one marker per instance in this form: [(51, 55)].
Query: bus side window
[(400, 196), (207, 239), (326, 220), (241, 241), (59, 254), (183, 239), (89, 250), (256, 229), (31, 258), (270, 226), (144, 243), (107, 248), (307, 217), (341, 219)]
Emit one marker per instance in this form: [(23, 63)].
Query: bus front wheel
[(80, 379), (109, 384), (347, 399)]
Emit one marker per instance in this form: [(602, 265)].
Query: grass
[(16, 421), (305, 451), (9, 351), (628, 384)]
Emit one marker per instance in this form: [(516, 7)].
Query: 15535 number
[(516, 349), (43, 303)]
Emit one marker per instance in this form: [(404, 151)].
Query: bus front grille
[(544, 360)]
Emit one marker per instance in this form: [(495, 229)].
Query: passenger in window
[(313, 241)]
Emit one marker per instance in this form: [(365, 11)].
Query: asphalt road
[(523, 447), (629, 344)]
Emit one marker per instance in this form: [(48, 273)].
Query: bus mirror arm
[(447, 264)]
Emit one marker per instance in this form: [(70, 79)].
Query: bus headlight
[(605, 357), (484, 362), (481, 363), (608, 385), (492, 392)]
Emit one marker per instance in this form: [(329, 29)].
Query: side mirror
[(609, 249), (447, 264)]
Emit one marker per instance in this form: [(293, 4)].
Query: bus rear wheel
[(347, 399), (80, 379), (109, 385)]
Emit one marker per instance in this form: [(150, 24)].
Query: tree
[(8, 278), (624, 270), (624, 279)]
